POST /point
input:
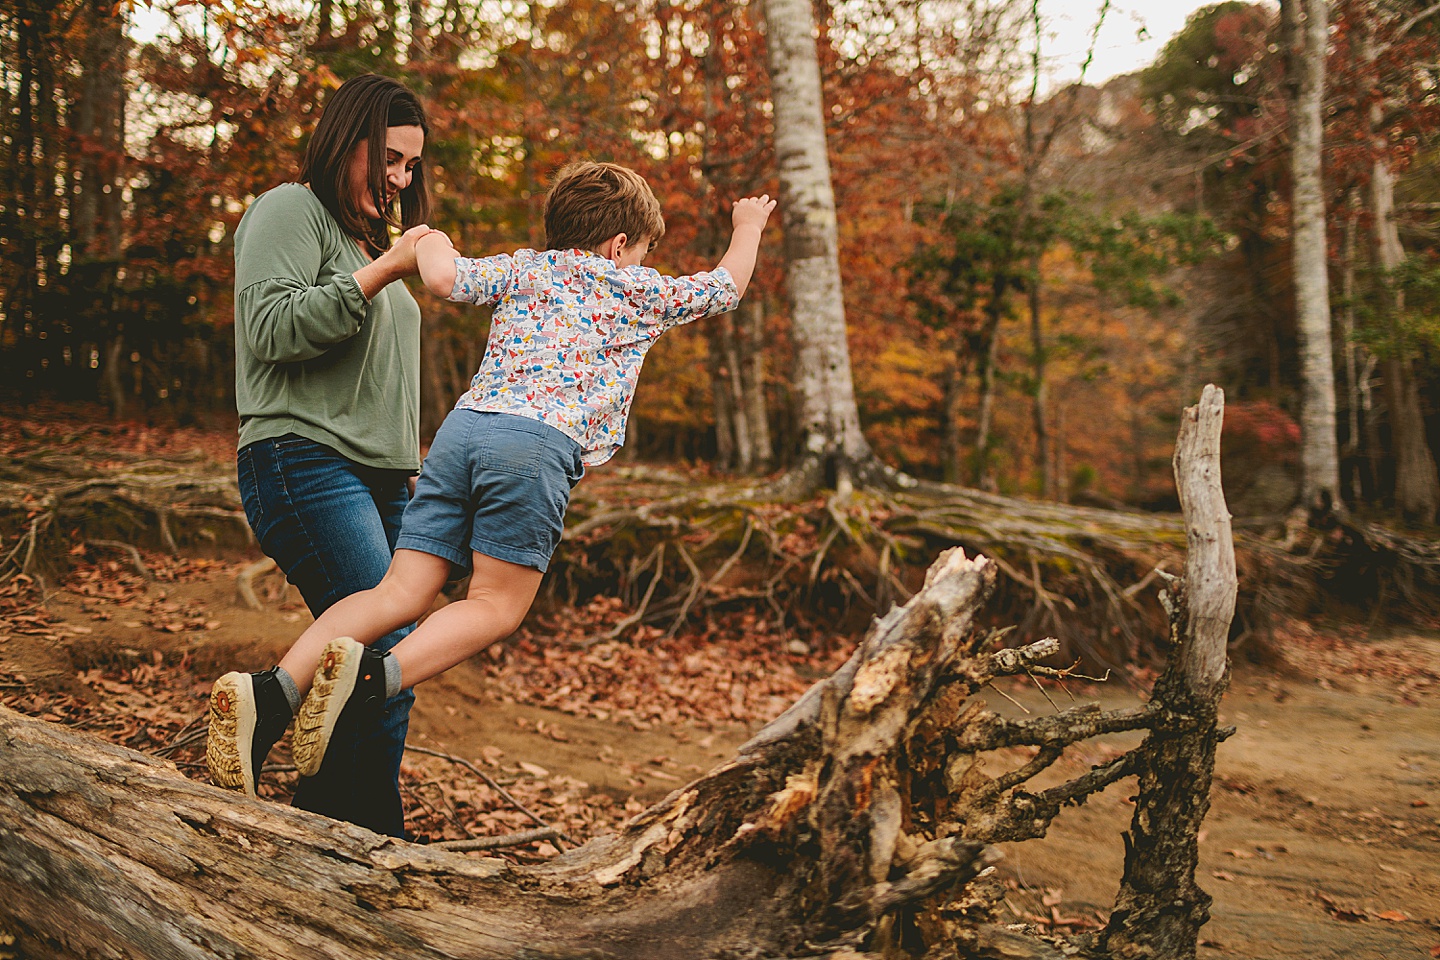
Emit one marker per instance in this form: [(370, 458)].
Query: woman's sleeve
[(282, 313)]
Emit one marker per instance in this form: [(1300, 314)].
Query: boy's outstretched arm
[(435, 257), (749, 218)]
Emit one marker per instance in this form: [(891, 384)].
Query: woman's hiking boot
[(248, 714), (350, 688)]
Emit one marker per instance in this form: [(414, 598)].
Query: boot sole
[(231, 719), (334, 682)]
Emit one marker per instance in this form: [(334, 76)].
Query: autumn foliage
[(156, 123)]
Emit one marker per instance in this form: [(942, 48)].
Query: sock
[(292, 692), (392, 675)]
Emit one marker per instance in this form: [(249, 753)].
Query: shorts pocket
[(513, 449)]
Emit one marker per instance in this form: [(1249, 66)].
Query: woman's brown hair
[(363, 109)]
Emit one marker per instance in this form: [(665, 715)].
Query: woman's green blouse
[(313, 357)]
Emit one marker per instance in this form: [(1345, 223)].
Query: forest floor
[(1323, 840)]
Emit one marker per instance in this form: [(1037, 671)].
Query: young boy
[(570, 329)]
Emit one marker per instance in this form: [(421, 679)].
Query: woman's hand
[(397, 263), (401, 255)]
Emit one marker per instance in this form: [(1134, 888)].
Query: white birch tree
[(1306, 25), (833, 445)]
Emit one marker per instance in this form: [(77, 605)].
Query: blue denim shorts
[(495, 483)]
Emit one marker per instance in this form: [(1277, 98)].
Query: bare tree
[(1306, 25)]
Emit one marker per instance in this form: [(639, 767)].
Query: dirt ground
[(1323, 839)]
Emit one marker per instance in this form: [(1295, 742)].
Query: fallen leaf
[(1342, 911), (535, 770), (1394, 916), (1222, 875)]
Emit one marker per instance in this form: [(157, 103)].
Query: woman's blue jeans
[(330, 524)]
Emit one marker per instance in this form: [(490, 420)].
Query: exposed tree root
[(50, 500), (1086, 576)]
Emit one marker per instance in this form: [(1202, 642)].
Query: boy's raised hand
[(749, 218), (752, 212)]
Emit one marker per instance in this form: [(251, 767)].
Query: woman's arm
[(282, 313), (397, 263)]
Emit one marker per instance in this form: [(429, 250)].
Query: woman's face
[(402, 152)]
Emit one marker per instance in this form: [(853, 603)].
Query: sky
[(1134, 33)]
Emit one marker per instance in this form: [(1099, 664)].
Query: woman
[(327, 370)]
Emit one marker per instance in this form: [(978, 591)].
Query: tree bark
[(100, 125), (829, 419), (989, 358), (729, 421), (1357, 369), (1306, 24), (1037, 346), (951, 451)]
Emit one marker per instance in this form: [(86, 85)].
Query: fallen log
[(810, 841)]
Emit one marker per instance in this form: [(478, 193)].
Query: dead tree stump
[(1160, 908)]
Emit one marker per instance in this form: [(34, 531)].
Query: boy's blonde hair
[(592, 202)]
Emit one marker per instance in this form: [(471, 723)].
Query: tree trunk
[(1417, 487), (436, 393), (752, 382), (419, 31), (722, 394), (951, 451), (1160, 909), (1350, 451), (1307, 28), (1037, 346), (989, 358), (1417, 484), (829, 418)]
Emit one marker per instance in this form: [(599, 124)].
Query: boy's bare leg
[(401, 597), (500, 595)]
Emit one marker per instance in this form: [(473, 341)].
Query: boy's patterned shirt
[(569, 333)]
